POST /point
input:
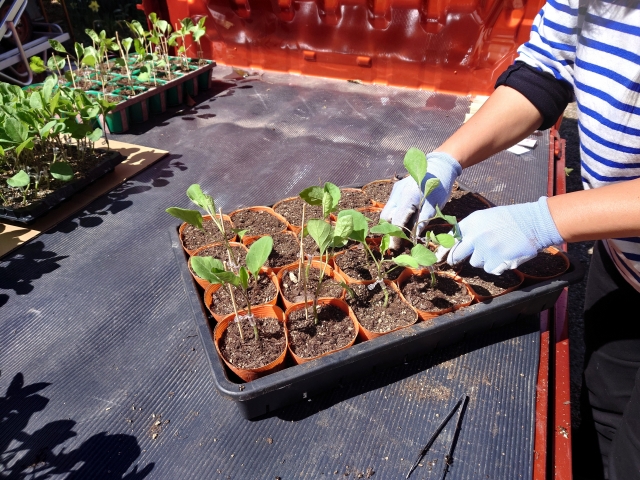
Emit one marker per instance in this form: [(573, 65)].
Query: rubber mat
[(101, 370)]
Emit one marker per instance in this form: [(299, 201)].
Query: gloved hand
[(502, 238), (405, 196)]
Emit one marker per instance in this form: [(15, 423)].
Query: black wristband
[(548, 94)]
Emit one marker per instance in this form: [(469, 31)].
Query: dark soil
[(461, 205), (258, 222), (379, 190), (310, 247), (353, 198), (292, 288), (85, 84), (357, 264), (165, 76), (249, 353), (285, 250), (265, 292), (369, 309), (374, 216), (544, 265), (126, 81), (220, 252), (333, 331), (193, 237), (129, 91), (446, 293), (292, 211), (485, 284)]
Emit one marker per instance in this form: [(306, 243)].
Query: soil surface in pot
[(251, 353), (265, 292), (310, 247), (126, 81), (293, 289), (257, 222), (292, 211), (369, 309), (353, 199), (379, 191), (85, 84), (461, 205), (545, 264), (334, 330), (220, 252), (447, 293), (357, 264), (193, 237), (285, 250), (486, 284), (129, 91), (374, 216)]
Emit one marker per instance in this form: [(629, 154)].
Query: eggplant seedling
[(20, 181)]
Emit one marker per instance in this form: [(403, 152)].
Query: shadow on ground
[(42, 454)]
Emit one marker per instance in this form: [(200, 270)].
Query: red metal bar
[(542, 403)]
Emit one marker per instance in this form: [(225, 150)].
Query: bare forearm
[(506, 118), (607, 212)]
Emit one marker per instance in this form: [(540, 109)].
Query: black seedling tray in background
[(299, 382)]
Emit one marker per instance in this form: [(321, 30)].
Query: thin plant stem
[(302, 278)]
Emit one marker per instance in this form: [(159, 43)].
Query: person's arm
[(607, 212)]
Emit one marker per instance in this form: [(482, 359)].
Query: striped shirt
[(595, 46)]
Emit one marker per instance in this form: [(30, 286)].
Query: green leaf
[(321, 233), (360, 225), (423, 255), (46, 129), (312, 195), (57, 46), (384, 243), (19, 180), (120, 62), (244, 278), (92, 35), (37, 65), (207, 268), (415, 161), (61, 171), (79, 48), (446, 240), (259, 252), (16, 131), (47, 89), (162, 25), (95, 135), (406, 261), (240, 232), (143, 77), (89, 59), (35, 100), (344, 227), (335, 193), (126, 44), (53, 103), (228, 277), (387, 228), (192, 217), (430, 185), (327, 202), (28, 144), (204, 201), (567, 171)]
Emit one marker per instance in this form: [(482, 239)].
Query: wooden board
[(137, 159)]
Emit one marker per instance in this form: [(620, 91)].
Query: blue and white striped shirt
[(595, 46)]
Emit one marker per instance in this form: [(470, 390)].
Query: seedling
[(124, 46), (183, 29), (197, 31), (20, 181)]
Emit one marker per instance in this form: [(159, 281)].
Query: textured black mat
[(95, 348)]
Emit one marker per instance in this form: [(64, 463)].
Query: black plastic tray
[(30, 213), (297, 383)]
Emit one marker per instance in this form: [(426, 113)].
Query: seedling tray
[(30, 213), (297, 383)]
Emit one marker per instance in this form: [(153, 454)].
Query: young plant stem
[(379, 274), (126, 63), (73, 77), (302, 278), (235, 311)]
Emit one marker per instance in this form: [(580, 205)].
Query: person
[(588, 50)]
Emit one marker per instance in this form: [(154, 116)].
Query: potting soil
[(447, 293), (102, 371)]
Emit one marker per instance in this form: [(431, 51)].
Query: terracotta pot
[(366, 334), (205, 218), (212, 289), (247, 241), (423, 314), (201, 281), (250, 374), (341, 304), (482, 298), (374, 202), (328, 271), (262, 209), (553, 251)]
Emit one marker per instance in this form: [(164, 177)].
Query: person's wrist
[(544, 228)]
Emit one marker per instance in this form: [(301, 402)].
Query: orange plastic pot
[(368, 185), (250, 374), (366, 334), (328, 271), (205, 218), (201, 281), (553, 251), (247, 241), (262, 209), (336, 302), (482, 298), (212, 289), (423, 314)]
